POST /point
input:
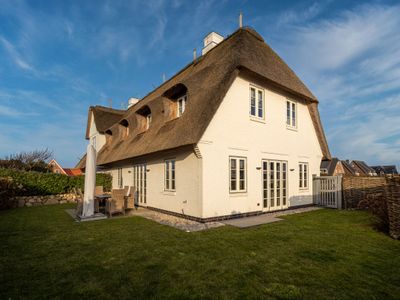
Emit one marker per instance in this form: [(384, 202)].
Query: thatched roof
[(207, 80), (81, 163), (104, 117)]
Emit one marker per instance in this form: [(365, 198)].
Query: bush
[(8, 189), (35, 183)]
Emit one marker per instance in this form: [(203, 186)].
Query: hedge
[(35, 183)]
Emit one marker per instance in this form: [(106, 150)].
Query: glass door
[(140, 183), (274, 176)]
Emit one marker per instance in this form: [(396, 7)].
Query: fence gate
[(328, 191)]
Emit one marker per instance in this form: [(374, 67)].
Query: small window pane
[(293, 114), (253, 102), (300, 175), (260, 104)]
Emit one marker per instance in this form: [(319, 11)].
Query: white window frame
[(292, 109), (237, 188), (181, 105), (94, 142), (170, 175), (257, 90), (120, 180), (148, 121), (304, 177)]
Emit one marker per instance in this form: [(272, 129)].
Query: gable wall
[(231, 132), (339, 170)]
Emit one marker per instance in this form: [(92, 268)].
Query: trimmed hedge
[(35, 183)]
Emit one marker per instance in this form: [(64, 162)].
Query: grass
[(326, 254)]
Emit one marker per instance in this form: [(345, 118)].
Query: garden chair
[(79, 199), (126, 189), (98, 190), (116, 204), (130, 198), (79, 208)]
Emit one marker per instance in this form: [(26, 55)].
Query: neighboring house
[(362, 168), (336, 167), (385, 170), (56, 168), (234, 132), (348, 169), (332, 167)]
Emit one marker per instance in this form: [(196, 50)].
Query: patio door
[(140, 183), (275, 183)]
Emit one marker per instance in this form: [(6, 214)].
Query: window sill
[(169, 193), (291, 128), (304, 190), (259, 120), (237, 194)]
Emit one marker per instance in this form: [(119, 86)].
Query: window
[(120, 179), (181, 105), (125, 128), (148, 121), (169, 175), (140, 182), (237, 176), (291, 111), (94, 142), (256, 103), (303, 175)]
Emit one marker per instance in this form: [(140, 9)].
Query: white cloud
[(295, 16), (351, 62), (15, 56)]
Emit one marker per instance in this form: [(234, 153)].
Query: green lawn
[(326, 254)]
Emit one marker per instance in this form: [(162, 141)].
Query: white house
[(234, 132)]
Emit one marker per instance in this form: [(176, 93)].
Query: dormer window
[(144, 118), (177, 96), (108, 136), (125, 128), (181, 102)]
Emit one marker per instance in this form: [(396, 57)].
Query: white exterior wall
[(187, 197), (94, 134), (232, 133)]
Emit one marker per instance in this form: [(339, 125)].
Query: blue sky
[(59, 57)]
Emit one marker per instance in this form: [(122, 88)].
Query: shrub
[(35, 183), (8, 189)]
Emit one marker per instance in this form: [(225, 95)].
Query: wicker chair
[(117, 202), (130, 198), (79, 199), (98, 190)]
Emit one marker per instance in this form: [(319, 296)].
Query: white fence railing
[(328, 191)]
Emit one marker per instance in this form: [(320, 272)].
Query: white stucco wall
[(186, 198), (233, 133)]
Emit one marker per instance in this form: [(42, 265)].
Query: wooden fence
[(327, 191)]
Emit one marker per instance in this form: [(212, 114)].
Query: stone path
[(266, 218), (179, 223), (192, 226)]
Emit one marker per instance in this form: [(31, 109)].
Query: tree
[(36, 160)]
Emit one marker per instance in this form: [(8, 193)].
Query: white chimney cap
[(211, 40), (132, 101)]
